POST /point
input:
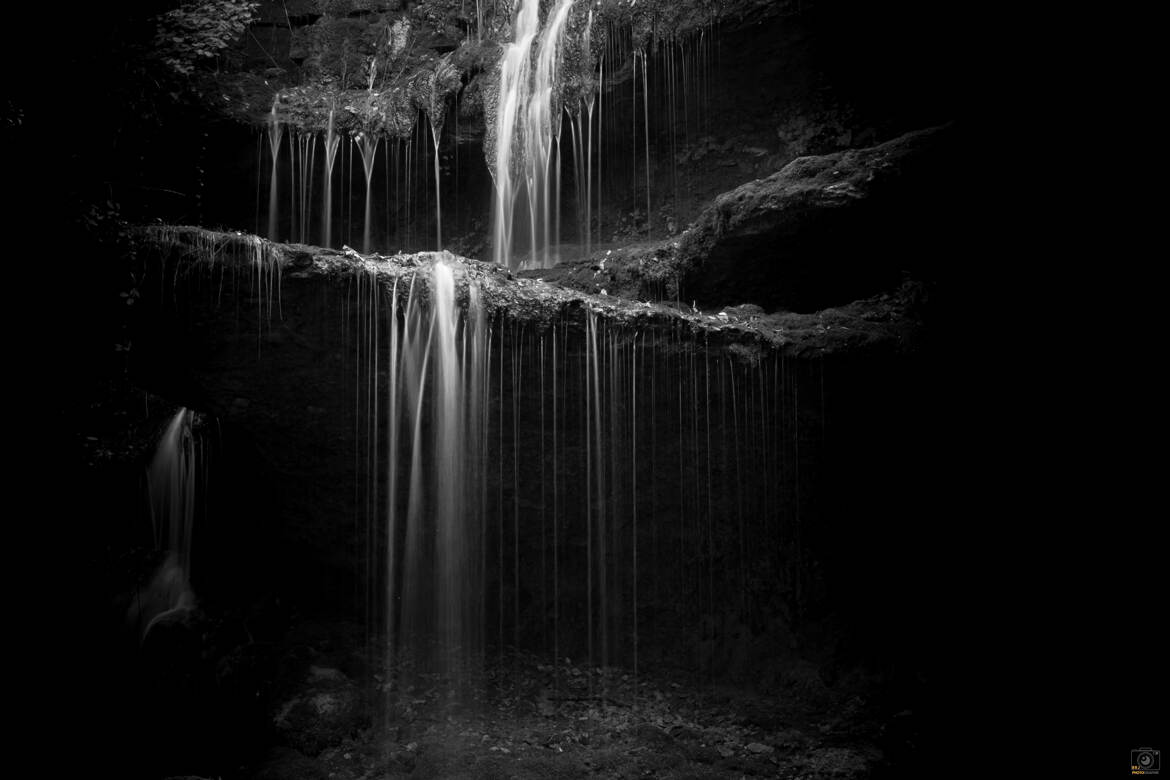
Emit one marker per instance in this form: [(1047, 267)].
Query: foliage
[(103, 222), (12, 115), (200, 30), (340, 52), (438, 84), (379, 62)]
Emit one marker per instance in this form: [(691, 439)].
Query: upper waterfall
[(527, 124)]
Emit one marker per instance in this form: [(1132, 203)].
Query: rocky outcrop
[(889, 320), (322, 713), (821, 232)]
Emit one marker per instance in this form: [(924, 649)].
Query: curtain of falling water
[(172, 489), (294, 167), (528, 111), (275, 134), (575, 487), (423, 387), (368, 146), (436, 130), (256, 229), (602, 528), (675, 75), (513, 98), (578, 488), (307, 157), (332, 140)]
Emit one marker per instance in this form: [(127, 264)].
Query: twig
[(266, 54)]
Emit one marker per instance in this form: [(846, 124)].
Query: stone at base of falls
[(326, 712), (822, 231)]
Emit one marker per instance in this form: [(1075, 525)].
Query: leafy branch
[(200, 30)]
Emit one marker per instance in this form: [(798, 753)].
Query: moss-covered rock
[(822, 231)]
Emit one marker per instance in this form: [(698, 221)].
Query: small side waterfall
[(172, 482)]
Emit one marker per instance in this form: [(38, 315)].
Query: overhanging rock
[(820, 232), (276, 272)]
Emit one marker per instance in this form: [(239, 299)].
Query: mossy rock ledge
[(889, 321)]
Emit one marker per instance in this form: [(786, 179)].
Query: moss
[(382, 61)]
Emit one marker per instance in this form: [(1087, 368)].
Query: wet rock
[(324, 674), (322, 715), (760, 748), (403, 761), (687, 734), (822, 231), (790, 739), (828, 229), (634, 277), (803, 679), (842, 762), (287, 764), (746, 310)]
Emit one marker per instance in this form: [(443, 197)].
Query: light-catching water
[(527, 124), (172, 491), (559, 483)]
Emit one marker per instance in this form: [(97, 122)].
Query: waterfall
[(332, 140), (557, 483), (484, 471), (275, 134), (524, 143), (368, 147), (527, 123), (172, 484), (544, 125), (435, 132), (433, 409)]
